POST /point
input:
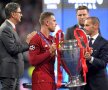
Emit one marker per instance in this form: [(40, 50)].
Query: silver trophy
[(70, 54)]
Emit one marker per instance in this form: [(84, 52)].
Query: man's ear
[(13, 14), (95, 26), (47, 22)]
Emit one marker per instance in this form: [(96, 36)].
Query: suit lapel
[(96, 42), (16, 36), (96, 45), (14, 32)]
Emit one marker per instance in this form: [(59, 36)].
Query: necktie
[(90, 42)]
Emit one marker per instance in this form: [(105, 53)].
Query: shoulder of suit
[(73, 27), (102, 39), (5, 27)]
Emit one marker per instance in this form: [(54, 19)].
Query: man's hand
[(29, 36), (53, 49), (87, 54)]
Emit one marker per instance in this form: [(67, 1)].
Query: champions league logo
[(91, 4)]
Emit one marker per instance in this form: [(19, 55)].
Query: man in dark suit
[(97, 58), (11, 49), (82, 12)]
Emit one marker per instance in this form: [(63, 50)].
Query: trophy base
[(75, 81), (70, 84)]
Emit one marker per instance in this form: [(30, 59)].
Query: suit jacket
[(70, 32), (11, 48), (97, 78)]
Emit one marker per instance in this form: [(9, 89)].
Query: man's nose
[(82, 16)]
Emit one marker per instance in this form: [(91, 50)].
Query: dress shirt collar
[(80, 27), (95, 36)]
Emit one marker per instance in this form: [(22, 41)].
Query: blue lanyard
[(44, 38)]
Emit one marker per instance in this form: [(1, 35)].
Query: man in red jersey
[(42, 54)]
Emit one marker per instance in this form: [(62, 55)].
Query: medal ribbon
[(43, 37)]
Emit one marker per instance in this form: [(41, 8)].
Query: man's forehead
[(19, 9), (87, 20), (52, 16), (82, 11)]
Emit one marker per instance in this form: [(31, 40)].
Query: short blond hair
[(45, 15)]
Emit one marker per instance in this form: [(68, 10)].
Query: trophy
[(70, 54)]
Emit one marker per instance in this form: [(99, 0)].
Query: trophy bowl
[(70, 54)]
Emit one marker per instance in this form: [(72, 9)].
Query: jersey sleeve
[(36, 56)]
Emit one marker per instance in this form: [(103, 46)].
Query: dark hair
[(82, 8), (11, 7), (45, 15), (95, 20)]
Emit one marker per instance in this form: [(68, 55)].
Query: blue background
[(66, 17)]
